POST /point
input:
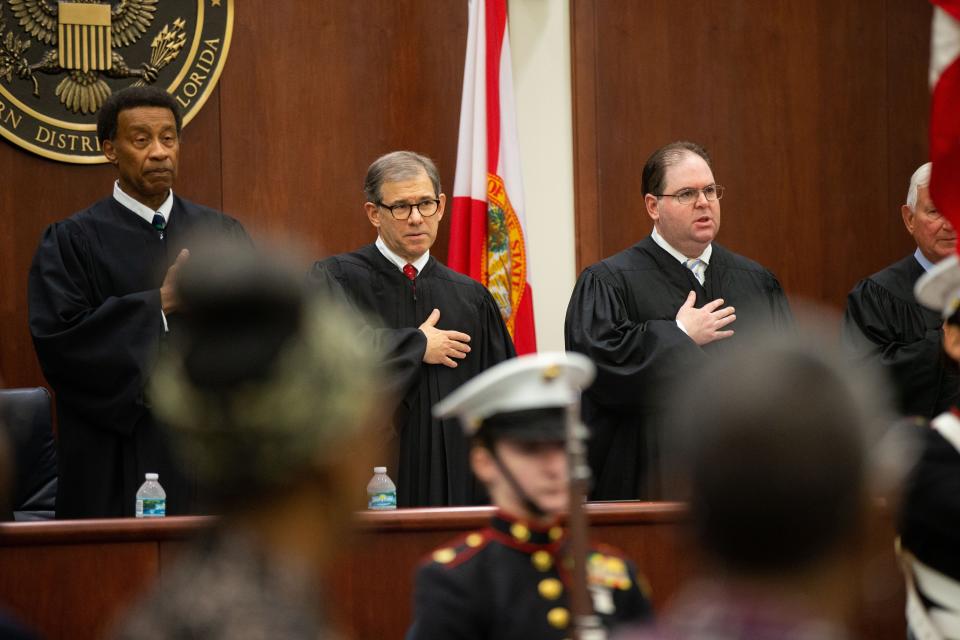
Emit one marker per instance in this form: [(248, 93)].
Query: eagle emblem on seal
[(86, 39)]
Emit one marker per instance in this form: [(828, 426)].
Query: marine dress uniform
[(512, 579)]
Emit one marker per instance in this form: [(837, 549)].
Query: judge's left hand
[(169, 295)]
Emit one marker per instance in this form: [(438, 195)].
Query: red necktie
[(410, 271)]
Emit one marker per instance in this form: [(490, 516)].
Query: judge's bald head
[(774, 444)]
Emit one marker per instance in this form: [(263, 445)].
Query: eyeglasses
[(425, 208), (686, 196)]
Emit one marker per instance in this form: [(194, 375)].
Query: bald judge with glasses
[(649, 316), (435, 328)]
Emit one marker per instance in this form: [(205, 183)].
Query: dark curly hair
[(130, 98)]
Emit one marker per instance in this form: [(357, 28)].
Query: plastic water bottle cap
[(152, 476), (379, 469)]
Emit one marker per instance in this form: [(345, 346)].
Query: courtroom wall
[(815, 113), (309, 95)]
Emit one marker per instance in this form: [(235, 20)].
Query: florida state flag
[(487, 229), (945, 112)]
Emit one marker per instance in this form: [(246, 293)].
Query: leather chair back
[(26, 416)]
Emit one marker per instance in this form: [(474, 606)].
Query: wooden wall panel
[(814, 113), (310, 98), (306, 100)]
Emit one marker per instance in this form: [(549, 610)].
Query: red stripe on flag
[(496, 21), (950, 6), (945, 144), (524, 331), (468, 234)]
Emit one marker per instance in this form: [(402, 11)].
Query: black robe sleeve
[(631, 356), (899, 337), (401, 349), (95, 353)]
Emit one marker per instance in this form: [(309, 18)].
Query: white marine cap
[(517, 389), (939, 288)]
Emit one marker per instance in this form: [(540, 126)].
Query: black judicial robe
[(94, 308), (885, 325), (622, 315), (431, 455)]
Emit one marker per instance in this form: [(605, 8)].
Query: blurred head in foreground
[(776, 449), (267, 392), (265, 386)]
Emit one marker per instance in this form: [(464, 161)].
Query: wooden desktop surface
[(71, 579)]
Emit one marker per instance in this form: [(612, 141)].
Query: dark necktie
[(411, 272), (159, 223)]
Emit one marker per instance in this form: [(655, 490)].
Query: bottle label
[(384, 500), (151, 507)]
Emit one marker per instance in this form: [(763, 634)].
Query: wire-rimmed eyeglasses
[(685, 196)]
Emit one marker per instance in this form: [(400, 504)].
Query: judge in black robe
[(95, 316), (623, 316), (430, 455), (885, 325), (399, 284)]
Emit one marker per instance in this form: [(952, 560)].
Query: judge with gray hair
[(437, 328), (885, 325)]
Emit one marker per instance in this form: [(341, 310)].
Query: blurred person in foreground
[(775, 446), (929, 523), (264, 392), (514, 578)]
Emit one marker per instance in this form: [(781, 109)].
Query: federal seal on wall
[(60, 60)]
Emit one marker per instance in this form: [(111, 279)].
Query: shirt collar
[(141, 209), (922, 259), (705, 256), (419, 263)]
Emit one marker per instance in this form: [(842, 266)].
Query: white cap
[(379, 469), (939, 288), (152, 476), (536, 381)]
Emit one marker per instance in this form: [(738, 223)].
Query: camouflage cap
[(265, 379)]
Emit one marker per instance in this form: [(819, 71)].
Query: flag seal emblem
[(505, 272)]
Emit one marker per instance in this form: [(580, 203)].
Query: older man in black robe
[(101, 301), (650, 315), (885, 325), (438, 328)]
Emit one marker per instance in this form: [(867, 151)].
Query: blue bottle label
[(154, 507), (385, 500)]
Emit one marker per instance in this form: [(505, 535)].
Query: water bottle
[(381, 492), (151, 498)]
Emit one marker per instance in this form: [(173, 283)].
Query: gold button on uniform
[(520, 532), (550, 588), (541, 560), (443, 556), (555, 533), (558, 617), (474, 540)]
